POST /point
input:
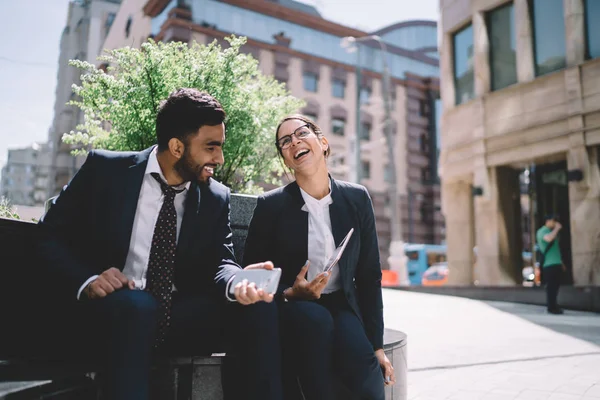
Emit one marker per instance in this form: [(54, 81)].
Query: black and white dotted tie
[(161, 264)]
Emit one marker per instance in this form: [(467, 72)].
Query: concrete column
[(524, 38), (498, 229), (457, 207), (575, 32), (584, 205), (446, 71), (481, 45)]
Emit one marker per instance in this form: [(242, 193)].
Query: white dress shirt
[(321, 243), (149, 204)]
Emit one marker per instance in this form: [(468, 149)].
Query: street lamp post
[(351, 44), (397, 258), (356, 148)]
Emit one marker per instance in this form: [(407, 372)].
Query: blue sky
[(29, 55)]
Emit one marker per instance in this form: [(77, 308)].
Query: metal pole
[(356, 148), (397, 259), (532, 223), (410, 217), (391, 140)]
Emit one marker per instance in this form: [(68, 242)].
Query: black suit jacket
[(279, 232), (88, 228)]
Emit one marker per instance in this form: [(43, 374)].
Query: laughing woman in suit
[(331, 324)]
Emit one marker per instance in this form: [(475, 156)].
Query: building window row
[(311, 84), (503, 47), (549, 44), (338, 126)]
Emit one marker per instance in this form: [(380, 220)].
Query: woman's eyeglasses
[(301, 133)]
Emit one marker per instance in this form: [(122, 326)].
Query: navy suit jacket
[(88, 228), (279, 232)]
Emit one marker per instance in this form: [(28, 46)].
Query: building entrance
[(551, 196)]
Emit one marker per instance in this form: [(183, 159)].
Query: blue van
[(422, 256)]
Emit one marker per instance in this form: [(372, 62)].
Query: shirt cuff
[(90, 280), (227, 287)]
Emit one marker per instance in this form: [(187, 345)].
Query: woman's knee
[(307, 318)]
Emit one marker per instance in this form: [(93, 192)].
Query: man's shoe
[(556, 310)]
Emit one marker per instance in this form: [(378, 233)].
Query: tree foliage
[(7, 210), (120, 105)]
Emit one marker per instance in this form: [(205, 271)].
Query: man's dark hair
[(183, 113), (550, 217)]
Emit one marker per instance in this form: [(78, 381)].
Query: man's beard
[(188, 170)]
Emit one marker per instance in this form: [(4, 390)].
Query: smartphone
[(267, 280), (337, 254)]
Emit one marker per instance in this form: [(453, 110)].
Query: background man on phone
[(551, 260), (139, 245)]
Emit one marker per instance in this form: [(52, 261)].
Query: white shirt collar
[(154, 167), (310, 202)]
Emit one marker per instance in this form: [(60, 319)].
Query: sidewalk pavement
[(466, 349)]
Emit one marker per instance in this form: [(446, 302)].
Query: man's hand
[(110, 280), (552, 235), (305, 290), (246, 292), (389, 378)]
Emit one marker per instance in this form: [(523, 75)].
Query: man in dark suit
[(141, 244)]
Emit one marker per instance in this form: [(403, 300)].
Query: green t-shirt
[(553, 255)]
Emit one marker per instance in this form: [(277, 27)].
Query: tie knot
[(167, 190)]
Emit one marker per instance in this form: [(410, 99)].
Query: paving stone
[(495, 350)]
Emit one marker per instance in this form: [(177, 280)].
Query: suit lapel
[(296, 229), (133, 179), (340, 214)]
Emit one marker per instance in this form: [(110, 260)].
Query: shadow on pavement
[(578, 324)]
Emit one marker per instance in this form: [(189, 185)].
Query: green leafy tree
[(120, 105), (7, 210)]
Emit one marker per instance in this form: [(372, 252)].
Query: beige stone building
[(521, 98)]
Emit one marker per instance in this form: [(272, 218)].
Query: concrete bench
[(30, 351)]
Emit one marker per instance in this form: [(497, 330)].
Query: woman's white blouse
[(321, 244)]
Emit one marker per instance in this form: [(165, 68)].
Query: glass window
[(337, 126), (387, 173), (310, 82), (422, 108), (463, 65), (311, 116), (338, 88), (425, 175), (110, 18), (592, 14), (365, 94), (128, 26), (366, 170), (424, 143), (503, 62), (365, 131), (549, 35)]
